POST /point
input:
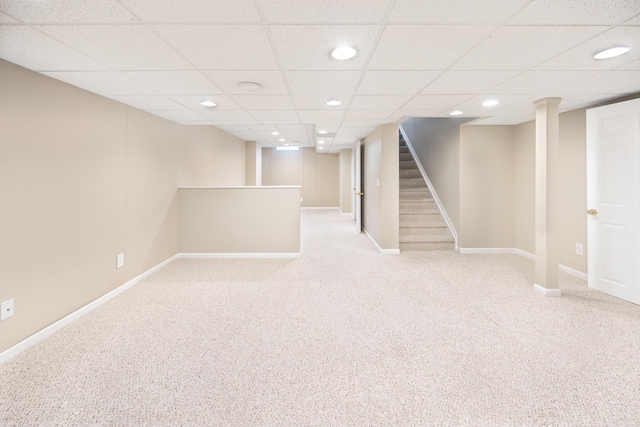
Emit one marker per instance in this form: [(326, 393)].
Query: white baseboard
[(382, 251), (573, 272), (238, 255), (546, 292), (54, 327), (522, 253)]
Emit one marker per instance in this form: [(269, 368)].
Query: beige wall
[(240, 220), (381, 186), (212, 157), (437, 145), (487, 188), (345, 158), (253, 166), (317, 174), (84, 179), (573, 188)]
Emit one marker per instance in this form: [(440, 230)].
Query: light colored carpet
[(342, 336)]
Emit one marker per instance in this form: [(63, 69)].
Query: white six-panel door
[(613, 199)]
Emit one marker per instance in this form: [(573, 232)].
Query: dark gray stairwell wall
[(436, 142)]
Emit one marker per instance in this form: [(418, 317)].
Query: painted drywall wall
[(380, 186), (487, 188), (525, 172), (345, 158), (212, 157), (317, 174), (573, 188), (84, 179), (437, 145), (253, 165), (240, 220)]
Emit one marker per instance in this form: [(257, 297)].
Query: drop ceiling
[(416, 58)]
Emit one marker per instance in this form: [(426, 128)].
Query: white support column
[(547, 196)]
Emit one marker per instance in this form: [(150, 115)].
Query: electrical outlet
[(120, 261), (301, 199), (579, 249), (6, 309)]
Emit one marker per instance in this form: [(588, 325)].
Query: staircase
[(422, 228)]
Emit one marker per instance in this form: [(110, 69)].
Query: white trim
[(525, 254), (443, 212), (487, 250), (214, 255), (319, 207), (573, 272), (382, 251), (546, 292), (54, 327)]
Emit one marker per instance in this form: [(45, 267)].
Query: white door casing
[(613, 199), (357, 190)]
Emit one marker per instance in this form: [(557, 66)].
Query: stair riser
[(424, 231), (410, 173), (405, 157), (407, 184), (426, 246)]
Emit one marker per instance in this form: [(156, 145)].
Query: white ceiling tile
[(105, 83), (434, 102), (307, 47), (236, 115), (313, 116), (274, 115), (467, 82), (263, 128), (403, 114), (633, 21), (605, 82), (368, 114), (581, 56), (235, 128), (520, 48), (293, 128), (379, 102), (193, 102), (222, 47), (194, 122), (121, 47), (492, 121), (6, 18), (584, 12), (179, 115), (363, 123), (86, 11), (227, 80), (473, 106), (175, 82), (197, 11), (325, 11), (331, 84), (31, 49), (437, 49), (395, 82), (633, 65), (150, 102), (263, 102), (540, 82), (454, 11), (319, 102)]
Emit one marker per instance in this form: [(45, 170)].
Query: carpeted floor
[(342, 336)]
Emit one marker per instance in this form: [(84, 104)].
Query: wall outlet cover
[(120, 261), (6, 308)]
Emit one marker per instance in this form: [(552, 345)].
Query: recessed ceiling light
[(611, 53), (490, 103), (275, 133), (333, 102), (208, 103), (320, 142), (282, 140), (344, 52), (320, 148), (289, 148), (456, 113), (250, 86), (322, 132)]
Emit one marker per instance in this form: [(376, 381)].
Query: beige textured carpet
[(342, 336)]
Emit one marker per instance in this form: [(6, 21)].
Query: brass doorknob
[(359, 194), (592, 212)]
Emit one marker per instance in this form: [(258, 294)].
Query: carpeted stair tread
[(422, 227)]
